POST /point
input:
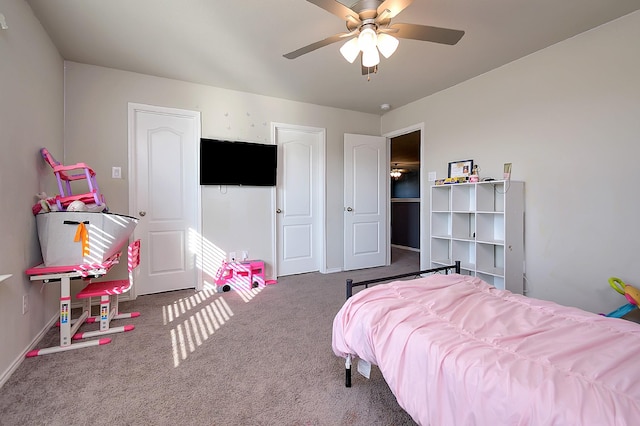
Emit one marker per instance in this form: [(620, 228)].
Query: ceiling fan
[(370, 31)]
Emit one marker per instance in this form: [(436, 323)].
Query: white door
[(163, 148), (366, 180), (299, 199)]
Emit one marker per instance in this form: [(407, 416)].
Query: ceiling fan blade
[(394, 7), (427, 33), (338, 9), (313, 46)]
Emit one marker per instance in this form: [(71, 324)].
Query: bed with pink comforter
[(456, 351)]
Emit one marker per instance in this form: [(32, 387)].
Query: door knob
[(278, 211), (349, 209), (142, 213)]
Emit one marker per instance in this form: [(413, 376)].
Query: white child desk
[(64, 274)]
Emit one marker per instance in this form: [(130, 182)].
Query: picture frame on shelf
[(460, 168)]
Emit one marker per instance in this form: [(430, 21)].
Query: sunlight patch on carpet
[(194, 319)]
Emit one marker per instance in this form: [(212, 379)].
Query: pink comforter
[(456, 351)]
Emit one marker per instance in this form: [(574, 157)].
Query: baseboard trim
[(405, 248), (18, 361)]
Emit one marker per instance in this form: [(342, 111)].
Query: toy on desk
[(44, 204), (631, 293)]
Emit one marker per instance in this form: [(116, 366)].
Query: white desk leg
[(65, 312), (65, 325), (79, 345)]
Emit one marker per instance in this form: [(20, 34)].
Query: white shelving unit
[(481, 225)]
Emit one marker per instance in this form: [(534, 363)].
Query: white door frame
[(424, 191), (321, 234), (132, 108)]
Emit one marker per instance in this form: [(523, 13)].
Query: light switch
[(432, 176), (116, 173)]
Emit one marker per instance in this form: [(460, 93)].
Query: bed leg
[(347, 370)]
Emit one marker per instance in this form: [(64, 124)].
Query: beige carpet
[(260, 357)]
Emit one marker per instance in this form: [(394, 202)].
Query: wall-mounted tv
[(237, 163)]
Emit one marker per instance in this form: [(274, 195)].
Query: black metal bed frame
[(350, 285)]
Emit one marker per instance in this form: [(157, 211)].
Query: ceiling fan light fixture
[(367, 40), (370, 58), (371, 21), (350, 50), (387, 44)]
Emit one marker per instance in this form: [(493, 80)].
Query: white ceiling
[(238, 44)]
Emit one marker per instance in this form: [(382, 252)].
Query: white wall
[(568, 117), (31, 116), (240, 219)]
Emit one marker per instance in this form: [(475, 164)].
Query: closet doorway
[(405, 194)]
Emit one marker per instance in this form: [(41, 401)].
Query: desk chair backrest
[(133, 258)]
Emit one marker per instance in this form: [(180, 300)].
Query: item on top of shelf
[(460, 168), (507, 171), (475, 177), (459, 179)]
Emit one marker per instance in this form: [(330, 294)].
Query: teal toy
[(631, 293)]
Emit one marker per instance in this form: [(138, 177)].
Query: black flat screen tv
[(237, 163)]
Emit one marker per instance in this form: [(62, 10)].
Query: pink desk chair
[(67, 174), (108, 292)]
